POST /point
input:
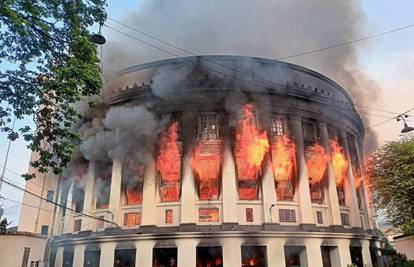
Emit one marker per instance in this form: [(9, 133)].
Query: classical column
[(149, 193), (59, 257), (269, 193), (369, 213), (232, 251), (88, 223), (344, 252), (366, 255), (275, 252), (229, 185), (335, 213), (186, 250), (115, 196), (78, 255), (188, 188), (144, 253), (68, 219), (304, 192), (313, 252), (349, 186), (107, 257), (58, 210)]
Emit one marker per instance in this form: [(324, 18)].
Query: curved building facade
[(258, 163)]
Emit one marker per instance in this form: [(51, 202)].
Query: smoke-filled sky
[(377, 73)]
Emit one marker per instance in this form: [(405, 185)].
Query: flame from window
[(169, 156), (316, 163), (251, 146), (283, 158), (339, 162)]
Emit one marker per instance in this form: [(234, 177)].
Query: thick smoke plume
[(266, 28)]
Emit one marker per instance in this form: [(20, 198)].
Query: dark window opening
[(164, 257), (92, 258), (209, 257), (356, 256), (124, 258), (67, 258), (345, 219), (341, 195), (45, 230), (77, 224), (207, 127), (293, 255), (103, 174), (26, 254), (319, 217), (254, 256), (78, 197), (326, 256), (50, 194)]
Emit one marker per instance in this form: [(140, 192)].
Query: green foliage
[(392, 179), (53, 64)]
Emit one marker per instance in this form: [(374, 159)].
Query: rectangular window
[(50, 194), (25, 259), (164, 257), (103, 175), (209, 256), (345, 219), (78, 197), (309, 132), (319, 217), (208, 215), (249, 215), (254, 256), (77, 225), (44, 230), (168, 216), (124, 257), (132, 218), (207, 127), (277, 126), (287, 215), (92, 258), (100, 223)]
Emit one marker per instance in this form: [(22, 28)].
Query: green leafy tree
[(392, 179), (47, 63)]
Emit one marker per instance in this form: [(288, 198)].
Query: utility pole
[(7, 156)]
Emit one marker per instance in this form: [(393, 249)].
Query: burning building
[(253, 162)]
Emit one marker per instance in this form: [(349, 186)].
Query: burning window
[(207, 127), (254, 256), (163, 257), (340, 168), (292, 255), (283, 152), (209, 214), (249, 215), (206, 157), (209, 257), (77, 224), (168, 216), (310, 133), (287, 215), (168, 163), (132, 182), (251, 146), (103, 174), (316, 162), (124, 258), (132, 218), (92, 258)]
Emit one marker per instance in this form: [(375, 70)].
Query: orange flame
[(339, 162), (316, 163), (205, 161), (168, 164), (251, 146), (283, 158)]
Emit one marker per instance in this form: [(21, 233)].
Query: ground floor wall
[(223, 249)]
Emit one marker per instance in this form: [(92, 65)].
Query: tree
[(391, 171), (51, 64)]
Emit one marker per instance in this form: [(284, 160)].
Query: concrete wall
[(12, 248)]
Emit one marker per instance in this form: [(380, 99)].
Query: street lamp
[(406, 128), (98, 38)]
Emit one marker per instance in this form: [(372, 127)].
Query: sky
[(389, 61)]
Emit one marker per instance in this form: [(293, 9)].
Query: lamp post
[(406, 128)]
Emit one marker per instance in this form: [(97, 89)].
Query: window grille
[(345, 219), (44, 230), (168, 216), (249, 215), (77, 225), (277, 126), (50, 194), (309, 132), (208, 214), (207, 126), (132, 218), (100, 223), (319, 217), (287, 215)]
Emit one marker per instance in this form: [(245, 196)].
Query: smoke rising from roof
[(266, 28)]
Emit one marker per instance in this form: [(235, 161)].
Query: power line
[(246, 73), (383, 122), (57, 204)]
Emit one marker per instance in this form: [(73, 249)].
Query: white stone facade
[(276, 232)]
